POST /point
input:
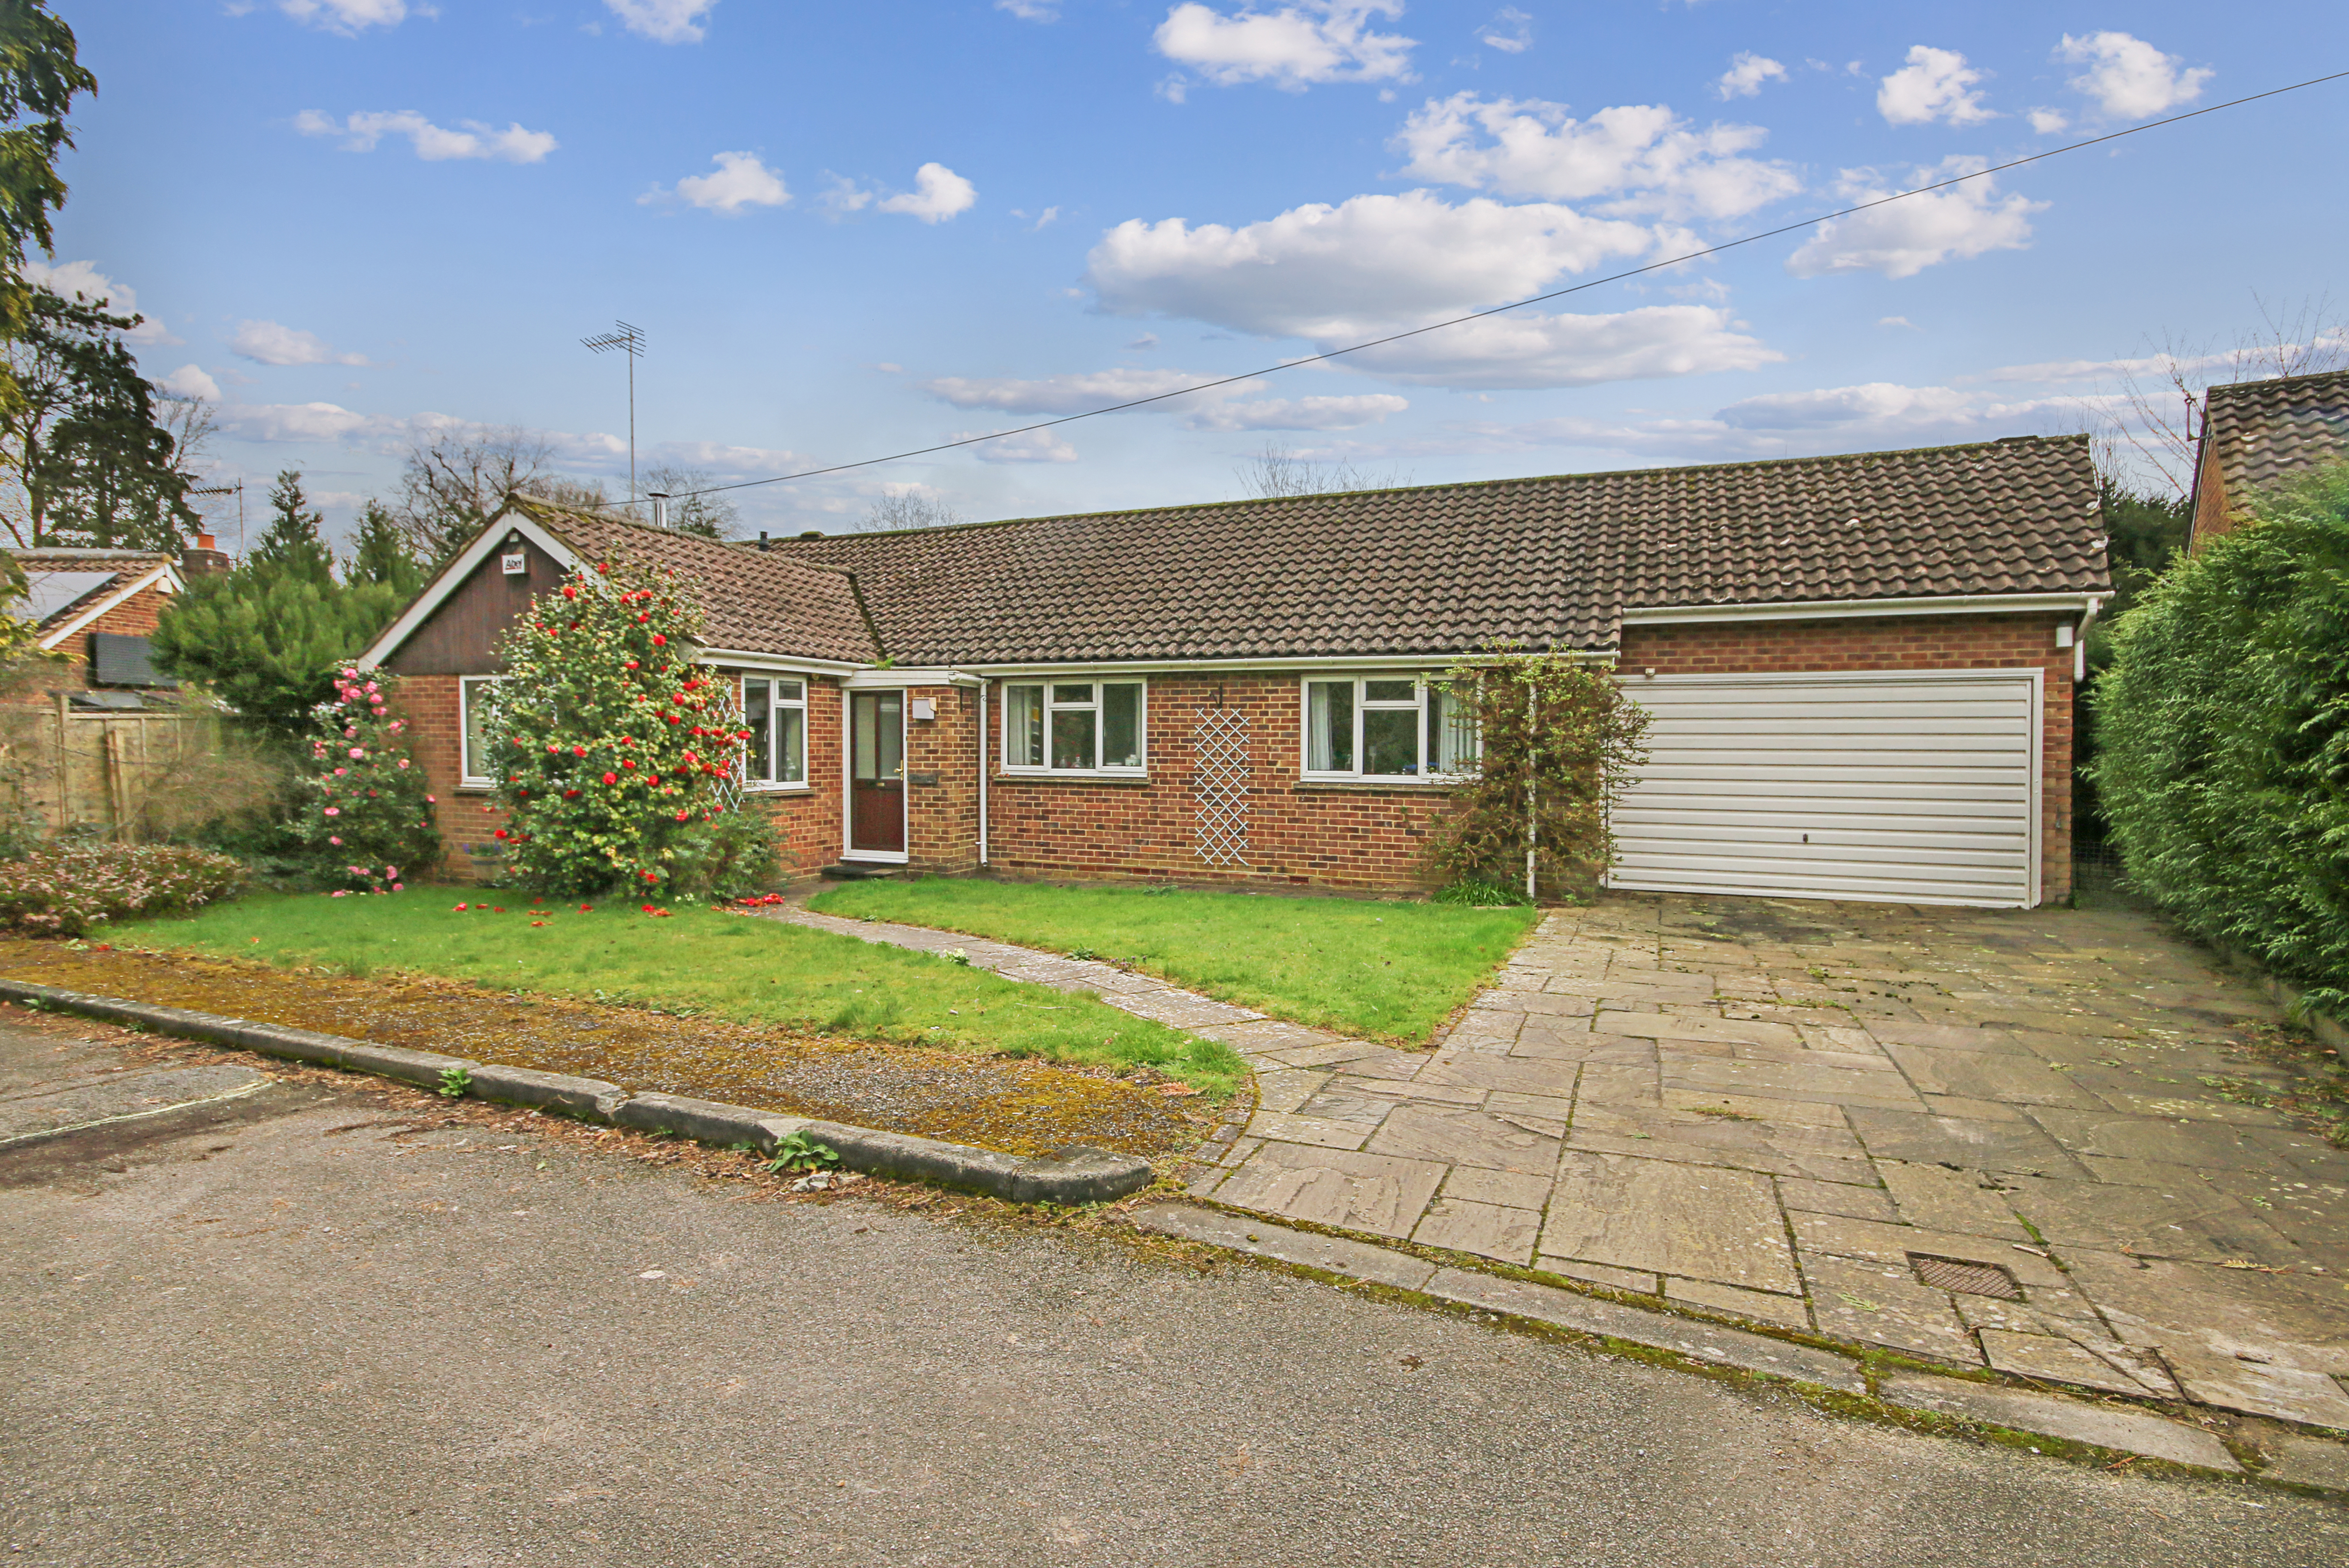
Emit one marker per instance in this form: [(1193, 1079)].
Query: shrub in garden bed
[(615, 750), (65, 891), (367, 824)]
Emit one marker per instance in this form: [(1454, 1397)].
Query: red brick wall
[(1925, 643), (942, 780), (1331, 835), (135, 617), (809, 818)]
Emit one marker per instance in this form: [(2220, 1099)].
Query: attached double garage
[(1916, 760)]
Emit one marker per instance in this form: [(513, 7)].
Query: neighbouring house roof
[(2258, 434), (67, 588), (1550, 563)]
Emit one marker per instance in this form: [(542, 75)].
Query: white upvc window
[(774, 710), (1398, 726), (1073, 727), (473, 763)]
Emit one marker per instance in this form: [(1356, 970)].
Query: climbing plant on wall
[(1557, 740)]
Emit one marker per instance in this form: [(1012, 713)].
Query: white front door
[(1909, 787)]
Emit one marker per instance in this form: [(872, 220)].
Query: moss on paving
[(1019, 1105)]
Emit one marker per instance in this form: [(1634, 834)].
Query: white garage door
[(1920, 789)]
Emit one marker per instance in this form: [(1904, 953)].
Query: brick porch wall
[(1929, 643)]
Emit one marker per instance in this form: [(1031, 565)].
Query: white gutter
[(1843, 609)]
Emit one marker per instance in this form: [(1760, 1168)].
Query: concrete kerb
[(1851, 1383), (1075, 1175)]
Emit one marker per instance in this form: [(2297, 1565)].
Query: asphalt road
[(272, 1336)]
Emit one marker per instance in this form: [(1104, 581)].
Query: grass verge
[(1387, 971), (696, 962)]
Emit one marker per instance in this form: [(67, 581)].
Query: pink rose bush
[(67, 892), (364, 816), (615, 751)]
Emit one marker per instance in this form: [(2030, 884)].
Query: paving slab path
[(2013, 1140)]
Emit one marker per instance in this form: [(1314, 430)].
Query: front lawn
[(1388, 971), (738, 967)]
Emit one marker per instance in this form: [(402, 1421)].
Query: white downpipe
[(983, 687), (1533, 808)]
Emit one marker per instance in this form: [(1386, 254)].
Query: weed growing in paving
[(798, 1151), (454, 1082)]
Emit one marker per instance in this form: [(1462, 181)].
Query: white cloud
[(306, 422), (1746, 73), (1031, 10), (351, 16), (1896, 321), (2128, 78), (1524, 350), (361, 132), (189, 381), (663, 21), (1511, 31), (1348, 272), (1072, 393), (2157, 366), (1033, 447), (939, 194), (2046, 121), (1292, 49), (83, 280), (1936, 84), (1830, 420), (1297, 413), (1905, 237), (1643, 155), (270, 343), (742, 181)]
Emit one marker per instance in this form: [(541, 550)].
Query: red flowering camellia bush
[(369, 827), (65, 891), (615, 750)]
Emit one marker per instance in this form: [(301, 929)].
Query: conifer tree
[(296, 545), (380, 554)]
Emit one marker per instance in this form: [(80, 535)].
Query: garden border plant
[(614, 750), (1557, 740)]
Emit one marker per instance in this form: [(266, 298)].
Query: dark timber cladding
[(459, 637)]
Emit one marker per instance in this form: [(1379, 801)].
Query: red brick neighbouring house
[(2259, 435), (1860, 670), (99, 608)]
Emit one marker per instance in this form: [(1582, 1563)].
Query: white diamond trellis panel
[(1219, 788)]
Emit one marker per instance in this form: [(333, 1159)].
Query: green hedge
[(2224, 723)]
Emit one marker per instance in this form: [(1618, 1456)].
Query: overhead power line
[(1520, 304)]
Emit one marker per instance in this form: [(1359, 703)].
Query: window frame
[(466, 777), (1423, 689), (743, 698), (1048, 684)]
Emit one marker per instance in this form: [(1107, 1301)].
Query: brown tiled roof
[(1445, 568), (755, 602), (2264, 432), (118, 567)]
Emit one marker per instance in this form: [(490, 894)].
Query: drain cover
[(1970, 1279)]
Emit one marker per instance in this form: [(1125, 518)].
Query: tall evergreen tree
[(82, 437), (270, 636), (39, 78), (295, 545), (380, 554)]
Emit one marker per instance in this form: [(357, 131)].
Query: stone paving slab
[(1776, 1108), (2130, 1432)]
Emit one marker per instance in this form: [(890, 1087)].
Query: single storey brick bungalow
[(1860, 669)]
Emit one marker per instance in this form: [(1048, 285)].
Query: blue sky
[(848, 230)]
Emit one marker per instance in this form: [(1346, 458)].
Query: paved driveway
[(1979, 1137)]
